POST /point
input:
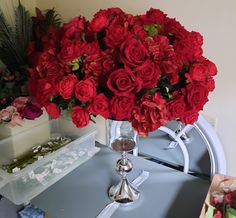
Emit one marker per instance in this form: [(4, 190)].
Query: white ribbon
[(112, 207)]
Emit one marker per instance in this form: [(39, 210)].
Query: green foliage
[(152, 29), (230, 212), (75, 64), (14, 39), (23, 30), (52, 18)]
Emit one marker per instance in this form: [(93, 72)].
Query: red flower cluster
[(147, 69), (224, 202)]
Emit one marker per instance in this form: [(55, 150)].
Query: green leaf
[(8, 52), (52, 18), (210, 211), (75, 64), (230, 212), (23, 27), (152, 29), (14, 39)]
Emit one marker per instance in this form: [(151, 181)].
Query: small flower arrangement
[(224, 202), (20, 108), (147, 69), (221, 198)]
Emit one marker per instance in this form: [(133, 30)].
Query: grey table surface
[(167, 193), (156, 143)]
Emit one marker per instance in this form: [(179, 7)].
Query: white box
[(22, 186), (100, 126), (6, 132), (14, 143)]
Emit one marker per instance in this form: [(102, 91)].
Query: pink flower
[(20, 103), (16, 120), (6, 114)]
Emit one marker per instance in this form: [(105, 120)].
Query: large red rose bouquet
[(147, 69)]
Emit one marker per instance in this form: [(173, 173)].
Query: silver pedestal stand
[(124, 192)]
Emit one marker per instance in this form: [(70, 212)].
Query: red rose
[(92, 66), (123, 82), (99, 22), (85, 90), (189, 117), (149, 114), (74, 28), (50, 39), (133, 53), (45, 89), (100, 106), (149, 73), (67, 85), (176, 107), (80, 116), (212, 70), (165, 57), (196, 95), (139, 31), (197, 72), (109, 59), (115, 36), (71, 50), (52, 110), (122, 106), (156, 16), (190, 47), (174, 28), (92, 48), (210, 85)]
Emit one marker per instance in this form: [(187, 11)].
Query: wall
[(216, 20)]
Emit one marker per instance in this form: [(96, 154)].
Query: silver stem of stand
[(124, 192)]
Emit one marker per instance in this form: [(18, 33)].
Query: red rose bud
[(52, 110)]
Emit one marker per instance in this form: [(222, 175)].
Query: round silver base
[(124, 192)]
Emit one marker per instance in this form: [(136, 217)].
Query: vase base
[(124, 192)]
